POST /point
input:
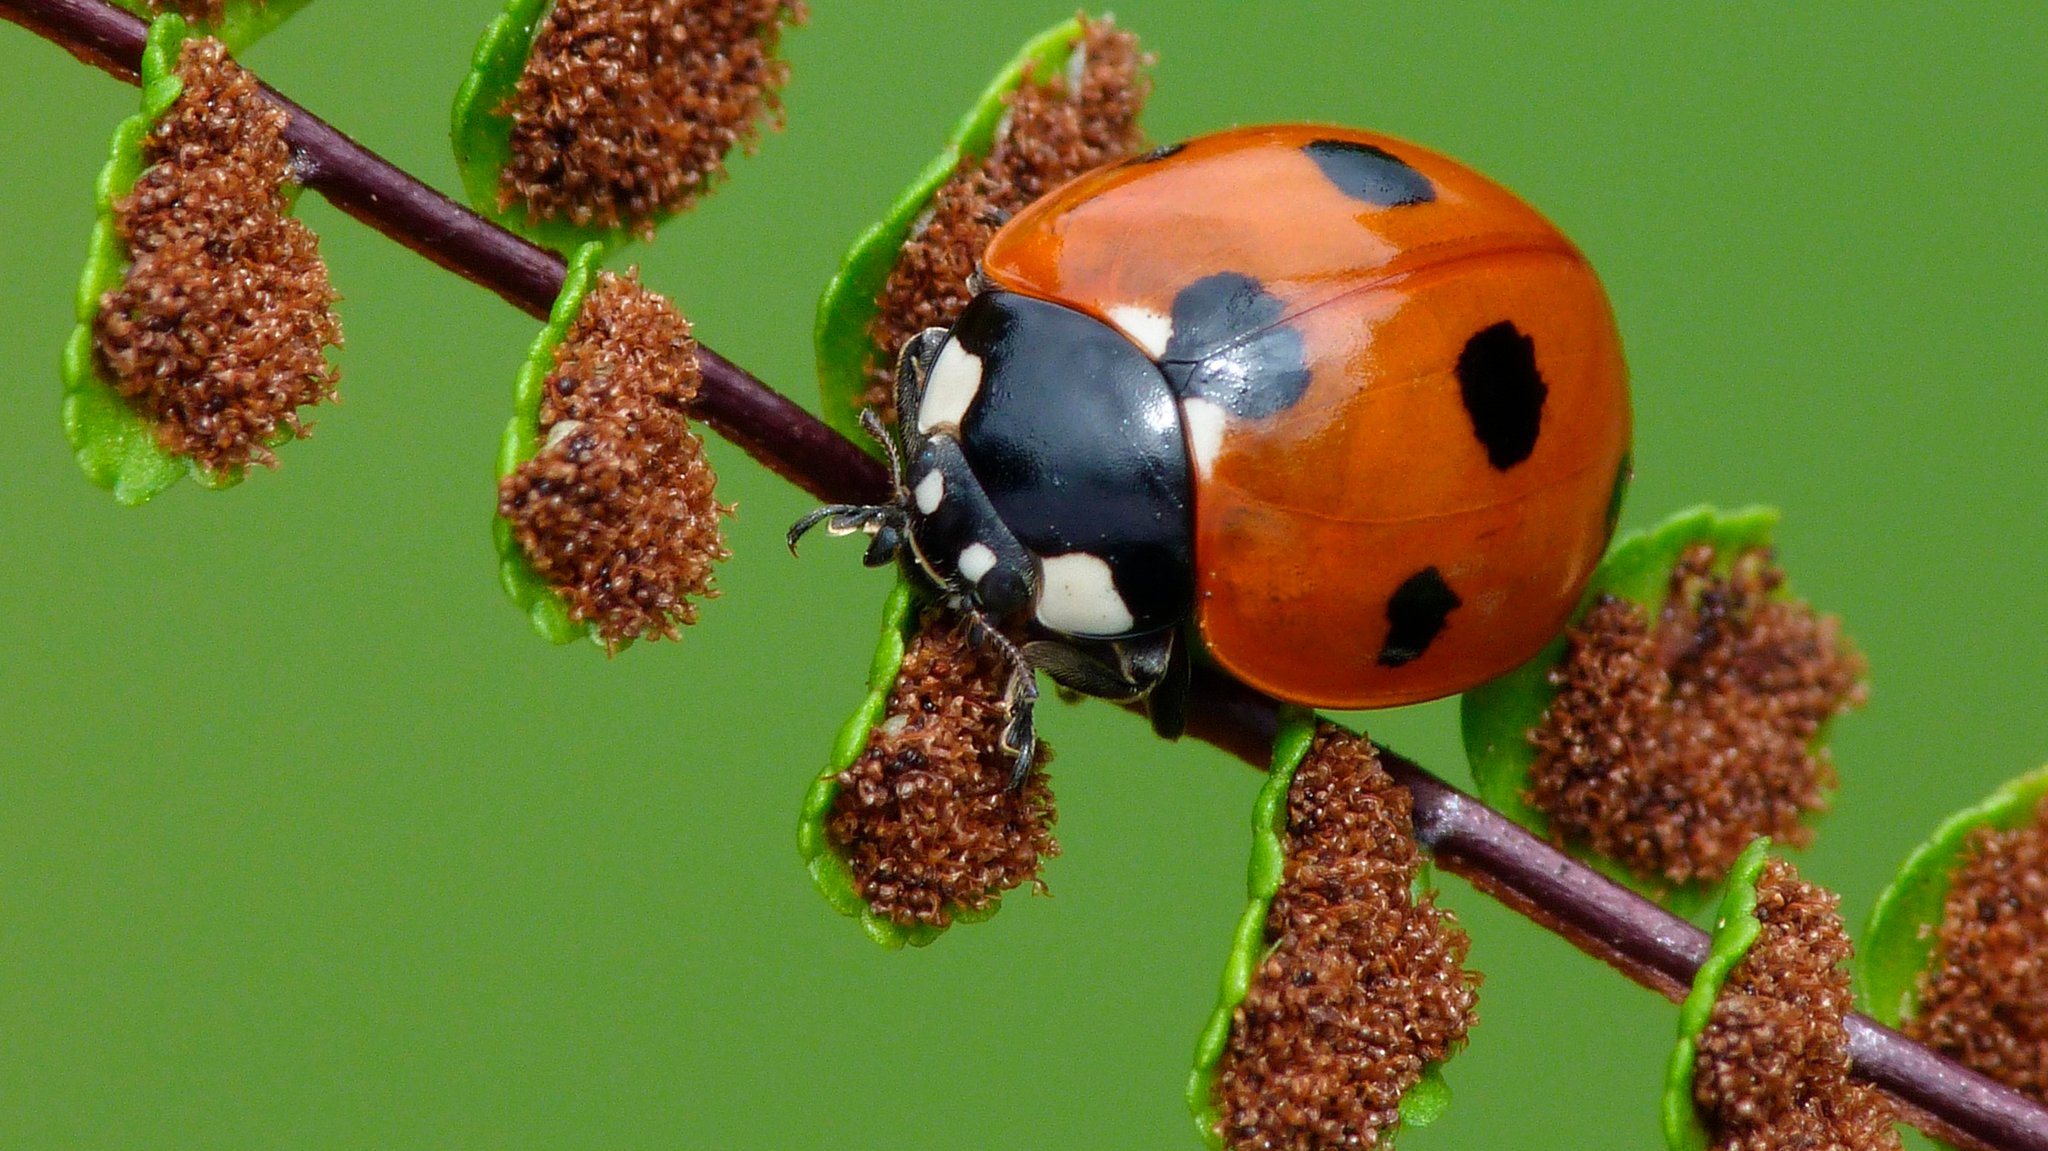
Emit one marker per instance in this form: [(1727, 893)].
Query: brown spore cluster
[(626, 111), (616, 511), (1365, 985), (925, 818), (218, 332), (1772, 1068), (1984, 1001), (1673, 743), (1056, 130)]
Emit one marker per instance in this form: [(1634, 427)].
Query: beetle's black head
[(1040, 479), (1046, 470)]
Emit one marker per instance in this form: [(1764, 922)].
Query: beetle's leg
[(1020, 735), (1077, 670), (1120, 670), (1020, 694), (913, 364), (1166, 705)]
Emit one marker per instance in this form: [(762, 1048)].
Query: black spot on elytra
[(1374, 175), (1415, 616), (1503, 392), (1215, 310), (1229, 347), (1157, 154)]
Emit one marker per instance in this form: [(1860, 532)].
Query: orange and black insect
[(1329, 409)]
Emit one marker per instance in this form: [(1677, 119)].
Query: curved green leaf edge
[(547, 611), (1736, 928), (1430, 1097), (482, 136), (846, 312), (828, 868), (241, 22), (1497, 716), (1895, 951), (115, 444)]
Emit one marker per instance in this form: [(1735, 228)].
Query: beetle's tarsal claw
[(1020, 739), (1020, 735)]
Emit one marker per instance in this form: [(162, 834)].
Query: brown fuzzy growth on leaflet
[(218, 332), (1671, 746), (626, 111), (1365, 985), (925, 818), (616, 511), (1772, 1069), (1984, 1001), (1053, 134)]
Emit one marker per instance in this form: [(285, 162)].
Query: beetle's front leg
[(1020, 691)]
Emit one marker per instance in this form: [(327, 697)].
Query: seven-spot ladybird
[(1329, 409)]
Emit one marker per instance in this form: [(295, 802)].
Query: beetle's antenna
[(871, 423)]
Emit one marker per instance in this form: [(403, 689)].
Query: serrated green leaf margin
[(1430, 1097), (1895, 951), (846, 312), (1735, 930), (116, 445), (241, 23), (1497, 716), (813, 843), (530, 593)]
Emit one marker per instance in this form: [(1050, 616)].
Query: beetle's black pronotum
[(1055, 514)]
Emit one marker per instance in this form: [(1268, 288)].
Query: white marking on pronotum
[(1204, 423), (954, 382), (1079, 597), (931, 491), (976, 561), (1147, 328)]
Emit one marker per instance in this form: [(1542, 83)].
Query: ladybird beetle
[(1330, 410)]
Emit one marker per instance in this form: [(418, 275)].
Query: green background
[(306, 841)]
